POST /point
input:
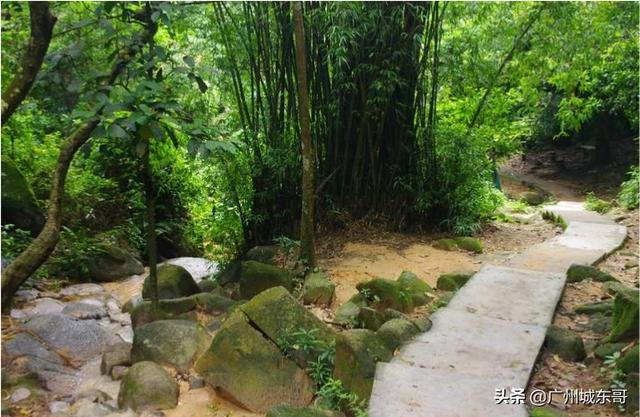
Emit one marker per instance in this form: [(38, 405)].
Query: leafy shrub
[(593, 203), (628, 195), (14, 241)]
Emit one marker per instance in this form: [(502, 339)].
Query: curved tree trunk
[(42, 23), (23, 266)]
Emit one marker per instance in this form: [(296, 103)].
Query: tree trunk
[(25, 264), (307, 246), (150, 202), (42, 23)]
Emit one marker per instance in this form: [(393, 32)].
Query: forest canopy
[(193, 108)]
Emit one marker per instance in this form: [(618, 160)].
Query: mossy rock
[(629, 362), (256, 277), (147, 386), (347, 313), (247, 366), (357, 352), (577, 273), (177, 343), (607, 349), (385, 293), (19, 204), (370, 318), (446, 244), (633, 393), (453, 281), (318, 289), (288, 411), (625, 316), (614, 287), (470, 244), (604, 307), (265, 254), (395, 332), (277, 314), (600, 323), (420, 291), (533, 198), (208, 303), (110, 263), (229, 274), (565, 343), (209, 285), (173, 282)]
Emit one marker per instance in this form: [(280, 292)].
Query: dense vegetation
[(186, 118)]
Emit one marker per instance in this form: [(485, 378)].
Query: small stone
[(19, 395), (58, 406), (118, 372), (93, 395), (195, 382), (85, 310), (18, 314), (82, 289), (116, 355), (27, 295), (567, 344)]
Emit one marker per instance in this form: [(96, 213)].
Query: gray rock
[(199, 268), (58, 406), (173, 282), (27, 295), (135, 301), (84, 310), (116, 355), (23, 344), (86, 408), (56, 378), (93, 395), (195, 382), (44, 306), (126, 334), (82, 289), (18, 314), (79, 339), (118, 372), (19, 395), (111, 263)]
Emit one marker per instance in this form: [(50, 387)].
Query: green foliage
[(72, 255), (14, 241), (630, 190), (330, 392), (593, 203), (555, 219)]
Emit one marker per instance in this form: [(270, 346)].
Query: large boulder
[(79, 340), (181, 308), (625, 316), (147, 386), (453, 281), (19, 205), (318, 289), (173, 282), (256, 277), (565, 343), (577, 273), (248, 366), (357, 352), (385, 293), (170, 342), (265, 254), (395, 332), (418, 289), (110, 263), (277, 314)]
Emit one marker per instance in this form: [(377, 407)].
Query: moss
[(357, 352), (577, 273), (608, 349), (625, 316), (453, 281), (629, 363), (396, 332), (545, 412), (288, 411), (19, 204), (565, 343), (348, 311), (419, 290), (148, 385), (385, 293), (446, 244), (256, 277), (370, 318), (318, 289), (173, 282), (604, 307), (470, 244)]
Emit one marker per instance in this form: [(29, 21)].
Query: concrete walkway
[(490, 334)]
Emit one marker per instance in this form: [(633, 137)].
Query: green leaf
[(115, 131), (189, 61)]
